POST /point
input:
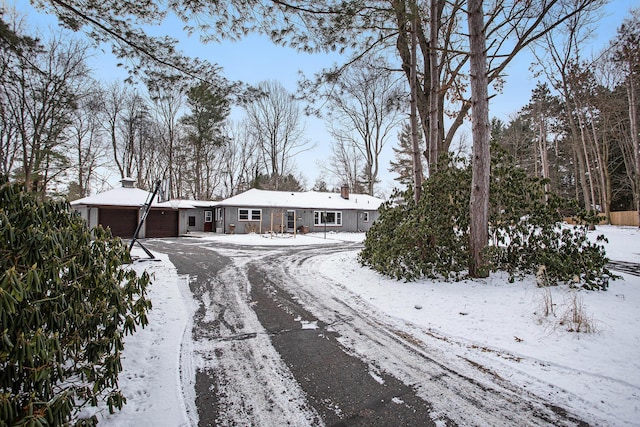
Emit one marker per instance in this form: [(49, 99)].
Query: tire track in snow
[(239, 377), (632, 268), (342, 388), (238, 370), (465, 392)]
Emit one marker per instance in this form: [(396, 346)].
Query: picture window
[(249, 214), (328, 218)]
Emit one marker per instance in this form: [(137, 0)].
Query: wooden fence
[(624, 218), (629, 218)]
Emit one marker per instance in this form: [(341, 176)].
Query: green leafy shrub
[(66, 301), (410, 241)]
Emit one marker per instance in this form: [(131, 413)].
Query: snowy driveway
[(277, 342)]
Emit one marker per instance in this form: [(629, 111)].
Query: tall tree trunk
[(633, 119), (415, 141), (581, 175), (600, 152), (582, 172), (434, 139), (481, 155), (544, 155), (587, 162), (607, 177)]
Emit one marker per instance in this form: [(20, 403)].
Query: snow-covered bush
[(66, 301)]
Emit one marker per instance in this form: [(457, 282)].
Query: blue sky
[(255, 59)]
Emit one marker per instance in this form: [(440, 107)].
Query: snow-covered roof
[(302, 200), (119, 196), (135, 197)]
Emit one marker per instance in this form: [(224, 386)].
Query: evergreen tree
[(277, 183), (11, 41), (627, 56), (403, 161), (209, 107), (321, 185)]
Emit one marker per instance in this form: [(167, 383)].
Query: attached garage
[(120, 209), (123, 222), (162, 223)]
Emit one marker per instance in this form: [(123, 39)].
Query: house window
[(249, 214), (218, 214), (329, 218), (192, 221), (208, 216), (365, 217)]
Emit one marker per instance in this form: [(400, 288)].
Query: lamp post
[(324, 220)]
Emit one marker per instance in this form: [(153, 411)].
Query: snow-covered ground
[(499, 324)]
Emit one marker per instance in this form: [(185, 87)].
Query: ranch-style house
[(253, 211)]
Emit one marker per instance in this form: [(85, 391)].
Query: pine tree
[(403, 163)]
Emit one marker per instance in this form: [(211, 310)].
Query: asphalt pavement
[(244, 313)]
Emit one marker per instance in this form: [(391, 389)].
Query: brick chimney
[(344, 191)]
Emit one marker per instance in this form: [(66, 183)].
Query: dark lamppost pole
[(324, 219)]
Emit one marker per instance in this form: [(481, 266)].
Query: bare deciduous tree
[(238, 160), (345, 164), (114, 105), (365, 109), (275, 124), (167, 101), (39, 92), (86, 141)]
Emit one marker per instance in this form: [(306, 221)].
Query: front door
[(291, 220), (208, 220)]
